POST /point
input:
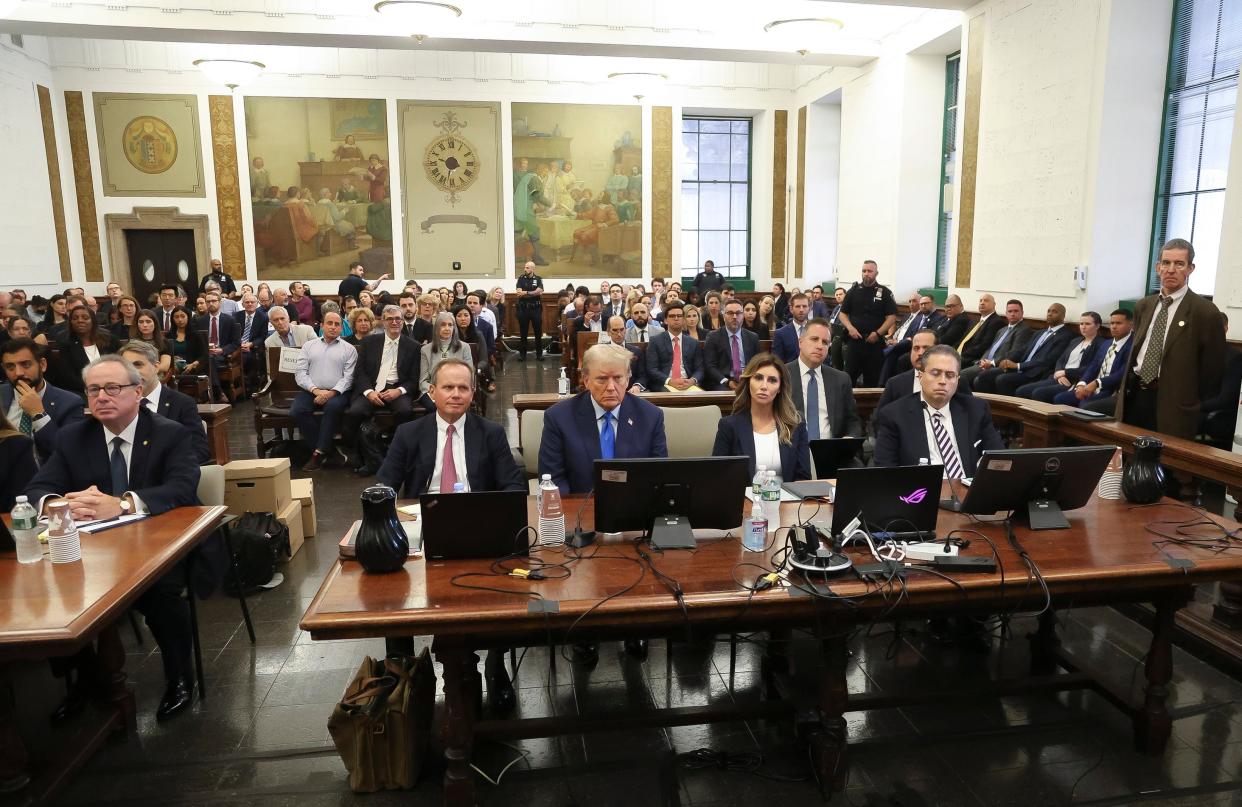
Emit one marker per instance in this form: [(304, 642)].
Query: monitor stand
[(672, 532), (1045, 514)]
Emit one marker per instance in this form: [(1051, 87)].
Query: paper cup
[(1109, 486), (65, 549)]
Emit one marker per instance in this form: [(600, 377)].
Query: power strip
[(930, 551)]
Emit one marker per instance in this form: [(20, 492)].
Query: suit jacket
[(973, 350), (952, 330), (631, 333), (575, 326), (371, 353), (1117, 372), (638, 366), (1042, 363), (70, 359), (490, 466), (1191, 365), (229, 331), (1096, 350), (839, 398), (419, 331), (901, 432), (489, 335), (301, 335), (570, 443), (820, 309), (785, 343), (902, 384), (258, 328), (1230, 385), (610, 312), (181, 408), (62, 407), (161, 472), (17, 466), (735, 437), (718, 356), (660, 360)]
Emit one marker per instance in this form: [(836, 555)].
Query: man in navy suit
[(220, 331), (252, 332), (936, 425), (385, 378), (166, 401), (638, 359), (1040, 355), (34, 406), (663, 373), (128, 460), (907, 383), (923, 314), (728, 349), (604, 422), (819, 306), (1099, 382), (833, 412), (785, 339)]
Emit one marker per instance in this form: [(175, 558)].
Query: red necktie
[(676, 373), (448, 474), (214, 336)]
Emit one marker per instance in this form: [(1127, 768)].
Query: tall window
[(948, 154), (715, 195), (1202, 92)]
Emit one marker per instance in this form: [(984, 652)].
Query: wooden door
[(158, 258)]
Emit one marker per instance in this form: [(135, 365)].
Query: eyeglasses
[(113, 390)]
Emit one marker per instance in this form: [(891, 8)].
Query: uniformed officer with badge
[(530, 309), (869, 310)]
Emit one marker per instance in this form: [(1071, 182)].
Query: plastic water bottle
[(755, 527), (756, 484), (772, 487), (551, 515), (26, 532), (562, 384), (459, 487)]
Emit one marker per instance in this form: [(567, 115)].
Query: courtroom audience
[(189, 348), (751, 321), (1033, 361), (785, 338), (1097, 387), (84, 342), (149, 331), (361, 323), (1073, 361), (765, 425), (164, 400), (907, 383), (674, 358), (823, 395), (473, 339), (17, 463), (125, 323), (728, 349), (285, 332), (638, 367), (640, 328), (713, 316), (445, 344), (1009, 341), (979, 337), (923, 314), (325, 378), (385, 379), (780, 305)]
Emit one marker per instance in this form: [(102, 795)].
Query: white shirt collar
[(442, 424), (804, 368), (944, 410), (154, 398), (127, 434), (1179, 294)]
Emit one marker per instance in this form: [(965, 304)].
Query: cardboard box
[(291, 517), (304, 492), (259, 486)]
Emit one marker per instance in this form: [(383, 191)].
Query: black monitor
[(1042, 482), (670, 497)]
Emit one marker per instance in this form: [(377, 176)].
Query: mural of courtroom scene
[(577, 189), (319, 186)]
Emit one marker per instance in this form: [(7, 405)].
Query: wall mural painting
[(577, 189), (319, 186)]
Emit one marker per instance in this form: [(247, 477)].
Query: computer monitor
[(670, 497), (1042, 482)]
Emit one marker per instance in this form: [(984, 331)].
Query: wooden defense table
[(49, 610), (1105, 557)]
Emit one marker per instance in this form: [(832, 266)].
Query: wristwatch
[(39, 416), (126, 507)]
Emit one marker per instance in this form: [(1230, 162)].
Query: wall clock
[(450, 162)]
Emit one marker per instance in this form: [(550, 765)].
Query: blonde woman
[(361, 323), (765, 425), (694, 326)]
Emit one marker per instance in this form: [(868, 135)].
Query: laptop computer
[(462, 526), (900, 503), (833, 454)]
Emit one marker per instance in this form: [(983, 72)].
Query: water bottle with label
[(755, 527), (772, 487), (756, 484), (551, 515), (562, 384), (26, 532)]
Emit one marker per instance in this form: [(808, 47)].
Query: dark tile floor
[(261, 736)]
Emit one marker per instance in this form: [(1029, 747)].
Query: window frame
[(951, 107), (750, 196)]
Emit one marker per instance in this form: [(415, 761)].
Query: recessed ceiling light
[(418, 18), (232, 73)]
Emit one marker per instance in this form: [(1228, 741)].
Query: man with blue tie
[(923, 314), (728, 349), (1010, 342), (785, 340), (823, 396), (253, 324), (1035, 364)]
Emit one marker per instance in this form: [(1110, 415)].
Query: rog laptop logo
[(915, 497)]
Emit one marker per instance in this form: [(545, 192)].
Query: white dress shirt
[(486, 314), (933, 449), (387, 376), (92, 352), (1110, 355), (768, 451), (15, 412), (154, 398), (1075, 357), (127, 449), (1043, 337), (825, 428), (459, 452), (1178, 296)]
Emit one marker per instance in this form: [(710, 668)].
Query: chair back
[(530, 435), (211, 484), (690, 431), (284, 386)]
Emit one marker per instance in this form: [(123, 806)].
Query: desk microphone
[(953, 503)]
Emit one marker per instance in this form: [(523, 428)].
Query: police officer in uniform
[(869, 310), (530, 309)]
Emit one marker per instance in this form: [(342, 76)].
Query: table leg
[(1044, 643), (828, 740), (13, 757), (459, 673), (112, 678), (1152, 722)]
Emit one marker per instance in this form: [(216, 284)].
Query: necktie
[(1107, 366), (448, 472), (736, 343), (167, 321), (246, 330), (970, 335), (996, 345), (1038, 343), (642, 335), (1150, 368), (386, 365), (25, 425), (214, 336), (119, 473), (675, 374), (289, 337), (146, 404), (812, 405), (607, 438), (952, 465)]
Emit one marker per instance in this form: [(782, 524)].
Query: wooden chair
[(479, 404), (233, 377), (585, 340), (765, 345), (271, 405), (196, 386)]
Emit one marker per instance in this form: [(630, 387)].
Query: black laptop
[(899, 503), (461, 526)]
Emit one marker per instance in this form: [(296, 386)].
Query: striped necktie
[(948, 455)]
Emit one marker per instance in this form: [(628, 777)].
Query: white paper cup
[(65, 549), (1110, 485)]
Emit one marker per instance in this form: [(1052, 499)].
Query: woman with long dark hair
[(470, 335), (126, 325), (713, 319), (780, 303), (765, 424), (752, 323), (84, 342), (188, 346), (147, 324)]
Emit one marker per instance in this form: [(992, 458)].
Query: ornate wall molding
[(154, 218), (780, 158), (970, 150), (662, 192), (228, 189), (53, 182), (84, 185), (800, 190)]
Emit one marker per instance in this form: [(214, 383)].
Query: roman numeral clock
[(450, 162)]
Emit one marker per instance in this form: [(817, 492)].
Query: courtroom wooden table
[(1105, 557), (49, 610)]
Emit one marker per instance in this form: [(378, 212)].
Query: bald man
[(1033, 362), (982, 334)]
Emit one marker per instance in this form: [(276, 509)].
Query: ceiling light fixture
[(638, 78), (804, 33), (232, 73), (418, 18)]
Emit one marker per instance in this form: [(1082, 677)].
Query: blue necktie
[(995, 345), (812, 407), (1038, 342), (607, 438), (119, 473)]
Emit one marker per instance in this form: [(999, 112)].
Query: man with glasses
[(127, 460), (728, 349), (386, 374)]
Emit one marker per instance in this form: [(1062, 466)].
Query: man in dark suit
[(128, 460), (604, 422), (638, 358), (980, 336), (385, 378), (220, 331), (728, 349), (414, 325), (1076, 357), (907, 383), (1033, 362), (34, 406), (936, 425), (252, 329), (664, 374), (823, 396), (1009, 342), (1178, 344), (819, 306), (616, 302), (166, 401), (1099, 382), (923, 314), (591, 320), (786, 338), (1220, 412), (955, 323)]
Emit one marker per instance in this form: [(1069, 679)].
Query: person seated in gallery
[(471, 335), (34, 406), (615, 335), (1098, 386), (823, 395), (907, 383), (252, 327), (189, 347), (640, 329), (126, 459), (765, 425), (728, 350), (674, 358), (325, 377), (1073, 361), (149, 331), (221, 331), (361, 323), (284, 332), (1034, 362), (1218, 414), (601, 216), (164, 400), (84, 342), (385, 379), (445, 344), (936, 425)]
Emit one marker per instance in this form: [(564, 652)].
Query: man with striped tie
[(252, 321), (936, 425)]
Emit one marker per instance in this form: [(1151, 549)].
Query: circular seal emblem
[(1052, 465), (150, 145)]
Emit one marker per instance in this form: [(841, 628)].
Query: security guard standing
[(869, 310), (530, 309)]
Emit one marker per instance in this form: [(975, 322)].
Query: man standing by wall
[(869, 310)]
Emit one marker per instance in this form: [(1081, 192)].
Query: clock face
[(451, 164)]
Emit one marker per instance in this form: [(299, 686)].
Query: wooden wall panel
[(780, 156), (84, 186), (970, 150), (53, 182), (228, 189), (662, 138), (800, 191)]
